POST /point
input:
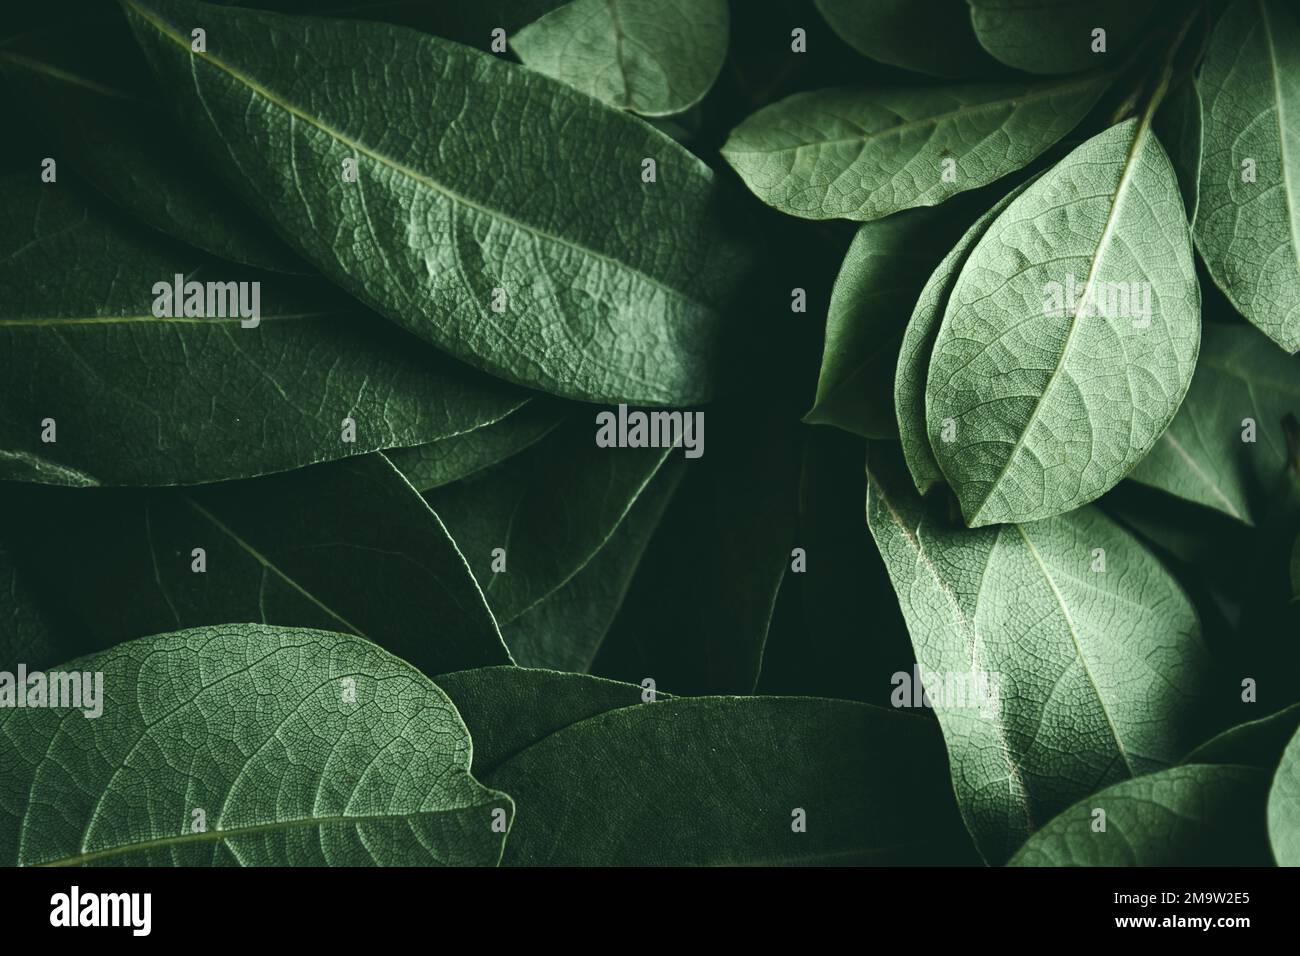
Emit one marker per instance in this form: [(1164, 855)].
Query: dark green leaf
[(1057, 36), (889, 31), (1257, 743)]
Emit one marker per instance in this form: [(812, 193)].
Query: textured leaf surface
[(145, 401), (863, 154), (886, 30), (1249, 232), (1284, 807), (498, 178), (1201, 456), (1056, 36), (1048, 403), (347, 546), (1196, 815), (653, 57), (918, 341), (601, 790), (1098, 676), (379, 780)]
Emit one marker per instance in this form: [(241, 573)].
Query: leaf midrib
[(406, 171)]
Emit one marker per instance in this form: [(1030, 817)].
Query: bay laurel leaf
[(1248, 220), (854, 153), (1070, 337), (134, 399), (1058, 36), (652, 57), (370, 760), (599, 791), (1193, 815), (1091, 658), (1284, 806), (886, 30), (510, 220), (1226, 446)]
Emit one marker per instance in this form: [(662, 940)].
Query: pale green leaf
[(1284, 806)]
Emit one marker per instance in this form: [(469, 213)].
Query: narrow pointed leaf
[(1056, 36), (1248, 221), (1070, 337), (653, 57), (370, 760), (1284, 807), (886, 30), (482, 215), (1093, 676), (862, 154)]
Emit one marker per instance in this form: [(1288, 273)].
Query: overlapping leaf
[(887, 30), (1057, 36)]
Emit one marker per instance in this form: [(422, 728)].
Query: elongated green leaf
[(653, 57), (1178, 124), (1284, 806), (918, 341), (1256, 743), (1226, 446), (527, 527), (1248, 221), (566, 629), (1058, 36), (482, 215), (451, 459), (347, 546), (123, 144), (1196, 815), (1091, 675), (863, 154), (136, 399), (370, 761), (887, 30), (1070, 337), (601, 790), (883, 270), (508, 709)]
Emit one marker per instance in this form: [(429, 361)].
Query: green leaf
[(508, 709), (918, 342), (1070, 337), (459, 456), (653, 57), (347, 546), (550, 510), (466, 21), (1092, 676), (500, 215), (566, 629), (866, 153), (1178, 124), (884, 269), (369, 760), (601, 791), (1056, 36), (1248, 222), (1203, 456), (125, 147), (886, 30), (1284, 806), (1196, 815), (1256, 743), (138, 400)]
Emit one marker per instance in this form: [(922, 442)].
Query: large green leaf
[(1037, 404), (1056, 36), (1256, 743), (883, 271), (531, 524), (1284, 806), (1203, 455), (1248, 221), (146, 401), (1093, 675), (653, 57), (1195, 815), (347, 546), (500, 215), (866, 153), (887, 30), (918, 342), (869, 781), (247, 745)]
